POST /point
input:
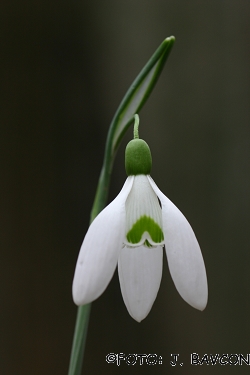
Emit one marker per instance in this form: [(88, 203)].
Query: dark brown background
[(65, 66)]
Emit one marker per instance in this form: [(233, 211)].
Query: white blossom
[(132, 231)]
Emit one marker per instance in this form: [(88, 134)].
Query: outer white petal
[(98, 255), (140, 271), (184, 256)]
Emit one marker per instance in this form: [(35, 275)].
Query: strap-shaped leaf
[(138, 92)]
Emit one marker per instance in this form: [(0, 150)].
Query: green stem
[(79, 340), (136, 126)]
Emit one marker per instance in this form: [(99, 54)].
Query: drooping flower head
[(132, 232)]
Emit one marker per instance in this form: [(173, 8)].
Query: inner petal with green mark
[(147, 229), (143, 215)]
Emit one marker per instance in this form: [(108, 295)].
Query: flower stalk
[(136, 126)]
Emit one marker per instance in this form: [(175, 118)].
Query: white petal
[(140, 271), (98, 255), (184, 256)]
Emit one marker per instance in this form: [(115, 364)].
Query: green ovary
[(145, 224)]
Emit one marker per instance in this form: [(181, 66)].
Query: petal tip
[(78, 300), (198, 302), (138, 317), (203, 304)]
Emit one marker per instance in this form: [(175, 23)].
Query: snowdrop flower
[(132, 231)]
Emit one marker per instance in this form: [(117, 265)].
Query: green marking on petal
[(145, 224), (147, 244)]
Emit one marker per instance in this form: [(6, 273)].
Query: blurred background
[(65, 66)]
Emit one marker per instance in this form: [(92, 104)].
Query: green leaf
[(139, 91)]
